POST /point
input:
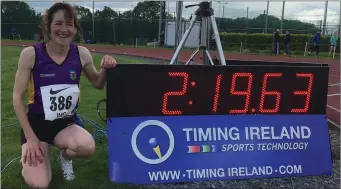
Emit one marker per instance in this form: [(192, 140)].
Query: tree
[(127, 14), (239, 24), (147, 10), (18, 12), (83, 13), (106, 14)]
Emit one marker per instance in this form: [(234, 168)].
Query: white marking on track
[(333, 123), (338, 94), (331, 107), (333, 84)]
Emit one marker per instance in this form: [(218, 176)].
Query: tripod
[(205, 13)]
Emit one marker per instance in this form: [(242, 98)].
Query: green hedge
[(265, 41)]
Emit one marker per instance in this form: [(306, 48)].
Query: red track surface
[(333, 108)]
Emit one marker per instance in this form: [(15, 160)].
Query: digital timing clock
[(241, 87)]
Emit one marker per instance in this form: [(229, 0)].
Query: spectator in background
[(14, 33), (333, 41), (287, 43), (277, 42), (162, 39), (316, 42)]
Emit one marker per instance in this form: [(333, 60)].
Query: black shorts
[(45, 130)]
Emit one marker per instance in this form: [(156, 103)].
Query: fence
[(125, 30), (131, 31), (119, 30)]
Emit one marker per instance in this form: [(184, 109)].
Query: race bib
[(59, 101)]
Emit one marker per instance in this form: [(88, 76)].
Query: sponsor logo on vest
[(47, 75), (64, 115), (73, 74), (52, 92)]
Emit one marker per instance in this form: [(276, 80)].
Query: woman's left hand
[(108, 62)]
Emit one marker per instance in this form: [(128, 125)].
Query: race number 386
[(59, 100), (61, 103)]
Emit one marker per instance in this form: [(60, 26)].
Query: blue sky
[(304, 10)]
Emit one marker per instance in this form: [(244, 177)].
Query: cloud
[(117, 6), (40, 6), (304, 11), (317, 15)]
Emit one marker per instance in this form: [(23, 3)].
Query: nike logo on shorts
[(52, 92)]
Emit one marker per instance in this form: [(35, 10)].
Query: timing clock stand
[(206, 14)]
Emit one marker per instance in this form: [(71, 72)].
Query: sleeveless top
[(54, 89), (333, 39)]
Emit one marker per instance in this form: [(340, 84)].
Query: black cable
[(98, 112)]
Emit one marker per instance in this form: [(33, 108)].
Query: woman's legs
[(286, 46), (317, 50), (39, 176), (330, 49), (74, 141), (66, 165)]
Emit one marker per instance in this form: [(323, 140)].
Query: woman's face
[(62, 30)]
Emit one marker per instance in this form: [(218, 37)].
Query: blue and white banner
[(165, 149)]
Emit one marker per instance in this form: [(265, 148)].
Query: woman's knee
[(39, 176), (83, 146), (87, 146), (36, 180), (38, 184), (77, 140)]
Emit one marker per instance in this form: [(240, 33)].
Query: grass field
[(91, 173)]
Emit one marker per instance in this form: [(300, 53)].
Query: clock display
[(241, 87)]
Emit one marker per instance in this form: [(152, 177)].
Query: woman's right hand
[(34, 152)]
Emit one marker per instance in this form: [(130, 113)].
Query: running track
[(333, 107)]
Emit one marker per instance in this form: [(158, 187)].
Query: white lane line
[(331, 107), (333, 84), (334, 94), (334, 124)]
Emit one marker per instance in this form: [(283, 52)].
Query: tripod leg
[(204, 38), (183, 39), (193, 54), (217, 41), (209, 56)]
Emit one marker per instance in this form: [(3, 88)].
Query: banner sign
[(196, 148), (164, 140)]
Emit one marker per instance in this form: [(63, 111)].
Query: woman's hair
[(69, 13)]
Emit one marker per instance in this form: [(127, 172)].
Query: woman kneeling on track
[(51, 71)]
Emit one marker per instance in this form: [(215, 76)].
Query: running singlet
[(53, 89)]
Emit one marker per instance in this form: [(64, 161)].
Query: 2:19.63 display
[(192, 90)]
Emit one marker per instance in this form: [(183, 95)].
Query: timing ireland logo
[(150, 145)]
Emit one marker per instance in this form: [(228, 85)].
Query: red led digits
[(246, 93), (307, 93), (216, 95), (175, 93), (269, 93)]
